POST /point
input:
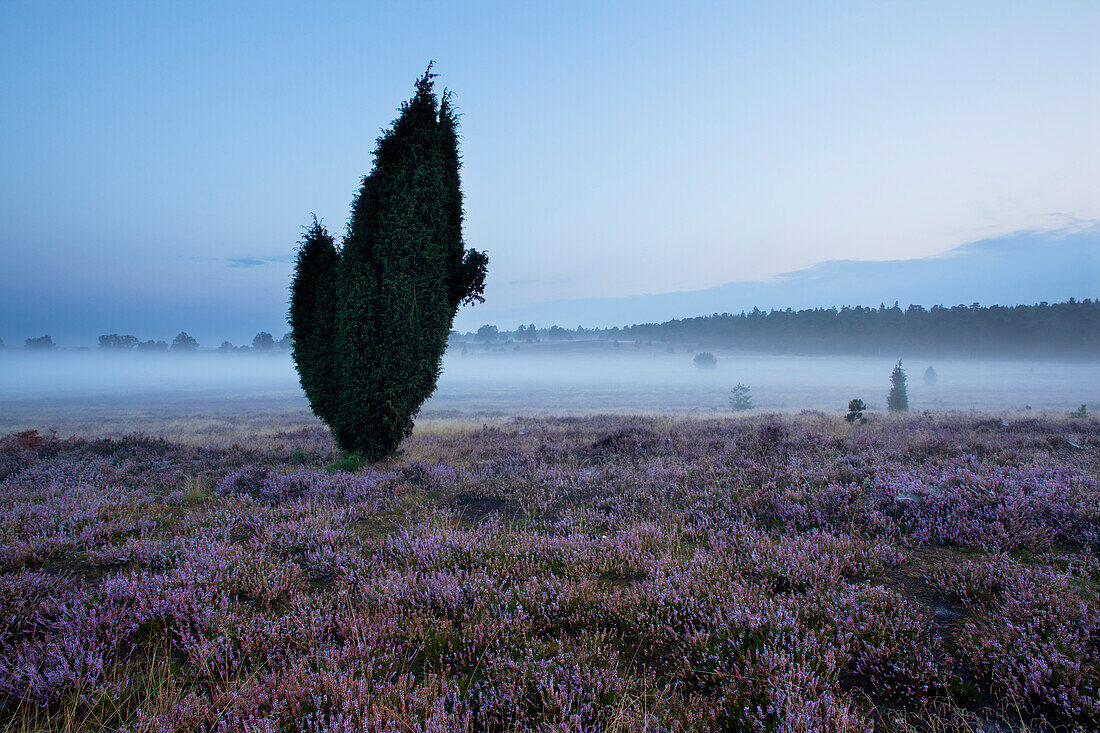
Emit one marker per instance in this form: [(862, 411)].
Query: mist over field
[(66, 388)]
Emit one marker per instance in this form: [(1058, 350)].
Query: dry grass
[(145, 690)]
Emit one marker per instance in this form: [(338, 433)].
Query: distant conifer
[(740, 398), (898, 399)]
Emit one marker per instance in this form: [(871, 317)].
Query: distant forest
[(1070, 329)]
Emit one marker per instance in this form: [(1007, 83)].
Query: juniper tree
[(370, 322), (313, 320), (898, 399)]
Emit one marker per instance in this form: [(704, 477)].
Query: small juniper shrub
[(855, 412)]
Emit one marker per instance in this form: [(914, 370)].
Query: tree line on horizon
[(1070, 329), (183, 342), (1067, 329)]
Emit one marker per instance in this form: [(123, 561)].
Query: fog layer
[(596, 378)]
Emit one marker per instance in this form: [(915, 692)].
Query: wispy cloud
[(239, 262), (252, 261)]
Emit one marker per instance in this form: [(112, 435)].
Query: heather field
[(771, 573)]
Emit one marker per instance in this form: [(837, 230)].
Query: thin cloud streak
[(243, 262)]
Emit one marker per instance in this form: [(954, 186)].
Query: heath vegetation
[(757, 574)]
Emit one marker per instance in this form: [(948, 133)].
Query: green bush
[(855, 412), (348, 462)]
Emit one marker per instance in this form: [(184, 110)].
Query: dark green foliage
[(370, 323), (1043, 331), (855, 412), (152, 345), (705, 360), (930, 377), (348, 462), (313, 320), (184, 342), (740, 399), (898, 399), (42, 342), (1080, 412)]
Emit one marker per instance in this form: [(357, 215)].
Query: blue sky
[(159, 160)]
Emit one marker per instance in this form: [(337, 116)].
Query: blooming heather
[(560, 574)]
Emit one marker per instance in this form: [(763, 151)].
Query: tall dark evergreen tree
[(898, 399), (313, 320), (392, 294)]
